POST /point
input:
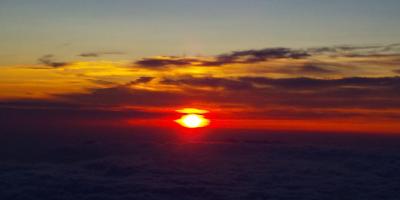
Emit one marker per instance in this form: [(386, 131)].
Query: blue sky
[(31, 29)]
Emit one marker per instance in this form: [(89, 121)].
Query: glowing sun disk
[(193, 121)]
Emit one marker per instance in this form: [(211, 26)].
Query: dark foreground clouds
[(356, 92), (14, 112), (115, 163), (273, 98)]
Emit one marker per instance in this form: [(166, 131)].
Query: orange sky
[(338, 88)]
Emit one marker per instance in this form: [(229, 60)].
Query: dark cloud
[(236, 57), (127, 165), (165, 61), (38, 103), (255, 56), (263, 55), (98, 54), (230, 84), (353, 82), (372, 55), (124, 95), (292, 98), (48, 60), (314, 69), (307, 69), (300, 92), (307, 113), (102, 82), (89, 55), (397, 71), (143, 79), (342, 48), (26, 115), (354, 48)]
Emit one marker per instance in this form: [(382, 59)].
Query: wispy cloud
[(143, 79), (48, 60), (102, 53)]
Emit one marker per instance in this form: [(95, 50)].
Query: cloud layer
[(110, 163), (337, 82)]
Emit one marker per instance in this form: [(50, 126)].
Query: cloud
[(267, 54), (164, 61), (314, 69), (319, 62), (102, 82), (123, 95), (264, 54), (143, 79), (48, 61), (231, 84), (236, 57), (255, 56), (354, 92), (21, 115), (133, 164), (365, 49), (343, 48), (98, 54), (244, 97), (252, 92), (303, 81), (383, 84)]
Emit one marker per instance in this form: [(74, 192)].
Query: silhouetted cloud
[(48, 60), (44, 112), (271, 98), (300, 92), (236, 57), (255, 56), (397, 71), (357, 92), (165, 61), (143, 79), (263, 55)]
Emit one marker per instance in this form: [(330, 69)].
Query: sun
[(193, 121)]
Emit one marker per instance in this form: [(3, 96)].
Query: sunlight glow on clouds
[(274, 83)]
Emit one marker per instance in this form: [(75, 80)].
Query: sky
[(259, 64), (177, 27)]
